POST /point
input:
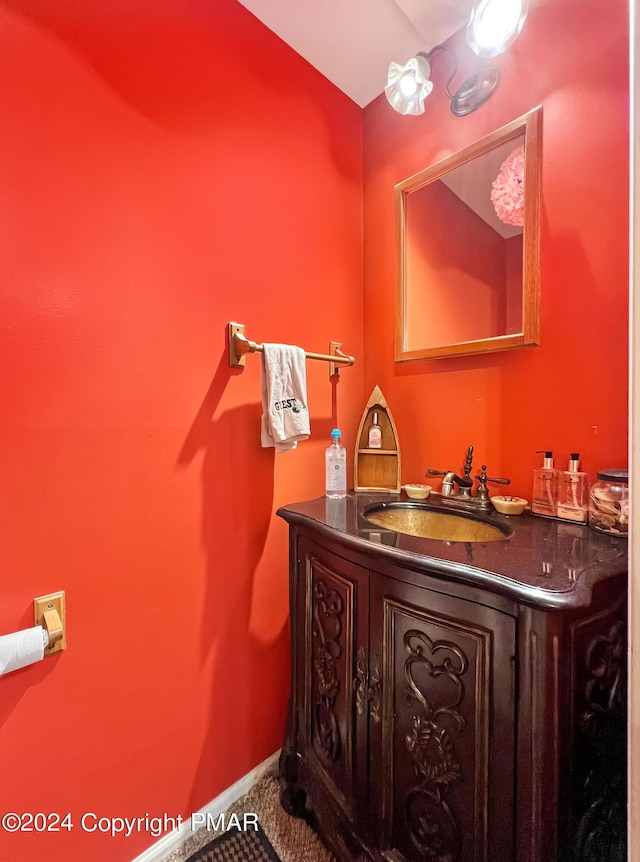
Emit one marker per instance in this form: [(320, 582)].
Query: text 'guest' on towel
[(285, 415)]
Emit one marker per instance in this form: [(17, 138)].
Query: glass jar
[(609, 503)]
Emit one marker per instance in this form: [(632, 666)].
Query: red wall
[(570, 393), (144, 205)]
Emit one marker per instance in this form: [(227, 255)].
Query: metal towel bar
[(240, 345)]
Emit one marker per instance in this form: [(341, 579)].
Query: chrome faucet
[(464, 483), (449, 482), (463, 496)]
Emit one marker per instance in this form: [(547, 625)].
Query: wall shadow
[(248, 688), (172, 62)]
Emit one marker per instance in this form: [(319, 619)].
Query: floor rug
[(251, 845), (289, 839)]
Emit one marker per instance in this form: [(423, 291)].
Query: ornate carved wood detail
[(360, 681), (327, 631), (600, 831), (432, 825), (605, 689), (375, 690)]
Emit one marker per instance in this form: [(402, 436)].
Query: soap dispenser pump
[(544, 500)]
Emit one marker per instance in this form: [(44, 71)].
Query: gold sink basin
[(417, 520)]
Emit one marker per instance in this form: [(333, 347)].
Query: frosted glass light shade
[(494, 25), (409, 85)]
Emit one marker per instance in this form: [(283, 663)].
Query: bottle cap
[(574, 462), (335, 434), (375, 418), (548, 458)]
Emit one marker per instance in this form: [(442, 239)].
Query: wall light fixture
[(493, 26)]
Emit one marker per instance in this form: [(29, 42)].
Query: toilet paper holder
[(49, 612)]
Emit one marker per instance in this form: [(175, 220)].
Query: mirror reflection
[(468, 248)]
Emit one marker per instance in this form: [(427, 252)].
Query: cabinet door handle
[(375, 690), (360, 681), (365, 692)]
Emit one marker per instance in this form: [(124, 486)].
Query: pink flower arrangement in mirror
[(507, 190)]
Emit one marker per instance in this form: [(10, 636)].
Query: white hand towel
[(285, 416)]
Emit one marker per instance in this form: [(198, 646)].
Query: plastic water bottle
[(336, 467)]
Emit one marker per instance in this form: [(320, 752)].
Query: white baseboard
[(172, 840)]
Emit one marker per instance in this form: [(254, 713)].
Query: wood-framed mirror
[(468, 248)]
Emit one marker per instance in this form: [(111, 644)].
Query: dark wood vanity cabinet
[(432, 721)]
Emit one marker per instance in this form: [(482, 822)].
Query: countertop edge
[(580, 595)]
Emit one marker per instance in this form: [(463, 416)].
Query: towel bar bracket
[(334, 351), (236, 337)]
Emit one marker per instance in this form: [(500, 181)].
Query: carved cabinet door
[(596, 828), (332, 621), (442, 731)]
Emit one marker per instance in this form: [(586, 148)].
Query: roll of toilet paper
[(22, 648)]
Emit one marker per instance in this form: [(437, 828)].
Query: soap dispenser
[(573, 491), (545, 487)]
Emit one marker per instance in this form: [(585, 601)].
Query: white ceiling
[(352, 42)]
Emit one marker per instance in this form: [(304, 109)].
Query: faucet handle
[(497, 480), (482, 478)]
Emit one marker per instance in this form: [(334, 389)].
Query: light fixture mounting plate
[(475, 91)]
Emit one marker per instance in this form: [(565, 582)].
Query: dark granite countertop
[(544, 563)]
